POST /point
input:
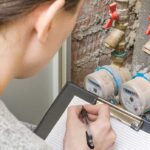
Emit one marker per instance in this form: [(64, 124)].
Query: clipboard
[(67, 93)]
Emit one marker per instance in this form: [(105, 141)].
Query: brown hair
[(11, 9)]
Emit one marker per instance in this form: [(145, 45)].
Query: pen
[(89, 137)]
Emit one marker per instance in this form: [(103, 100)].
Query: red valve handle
[(113, 15), (148, 29)]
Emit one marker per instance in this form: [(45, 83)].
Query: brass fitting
[(121, 25), (118, 57), (123, 11), (114, 38), (146, 47), (122, 4), (121, 45)]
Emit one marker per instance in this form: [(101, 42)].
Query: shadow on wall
[(29, 99)]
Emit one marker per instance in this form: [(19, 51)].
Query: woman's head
[(12, 9), (31, 32)]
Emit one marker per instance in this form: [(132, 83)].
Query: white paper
[(127, 138)]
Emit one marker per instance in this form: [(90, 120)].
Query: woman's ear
[(45, 17)]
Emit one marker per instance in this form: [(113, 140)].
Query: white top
[(15, 136)]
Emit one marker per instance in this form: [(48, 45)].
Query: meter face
[(93, 87), (131, 101)]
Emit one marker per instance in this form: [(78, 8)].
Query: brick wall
[(88, 49)]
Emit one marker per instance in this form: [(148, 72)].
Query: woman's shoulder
[(14, 135)]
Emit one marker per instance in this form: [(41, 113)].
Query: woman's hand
[(103, 135)]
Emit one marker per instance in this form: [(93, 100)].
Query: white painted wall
[(29, 99)]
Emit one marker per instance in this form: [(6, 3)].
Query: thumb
[(73, 114), (74, 110)]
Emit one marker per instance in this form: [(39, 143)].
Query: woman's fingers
[(95, 112), (101, 110), (97, 109), (73, 114), (73, 117), (104, 113), (99, 115), (92, 117), (92, 109), (74, 110)]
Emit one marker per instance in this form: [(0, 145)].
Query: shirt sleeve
[(15, 136)]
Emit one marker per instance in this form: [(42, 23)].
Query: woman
[(31, 32)]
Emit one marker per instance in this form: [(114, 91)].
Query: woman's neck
[(10, 55), (6, 64)]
